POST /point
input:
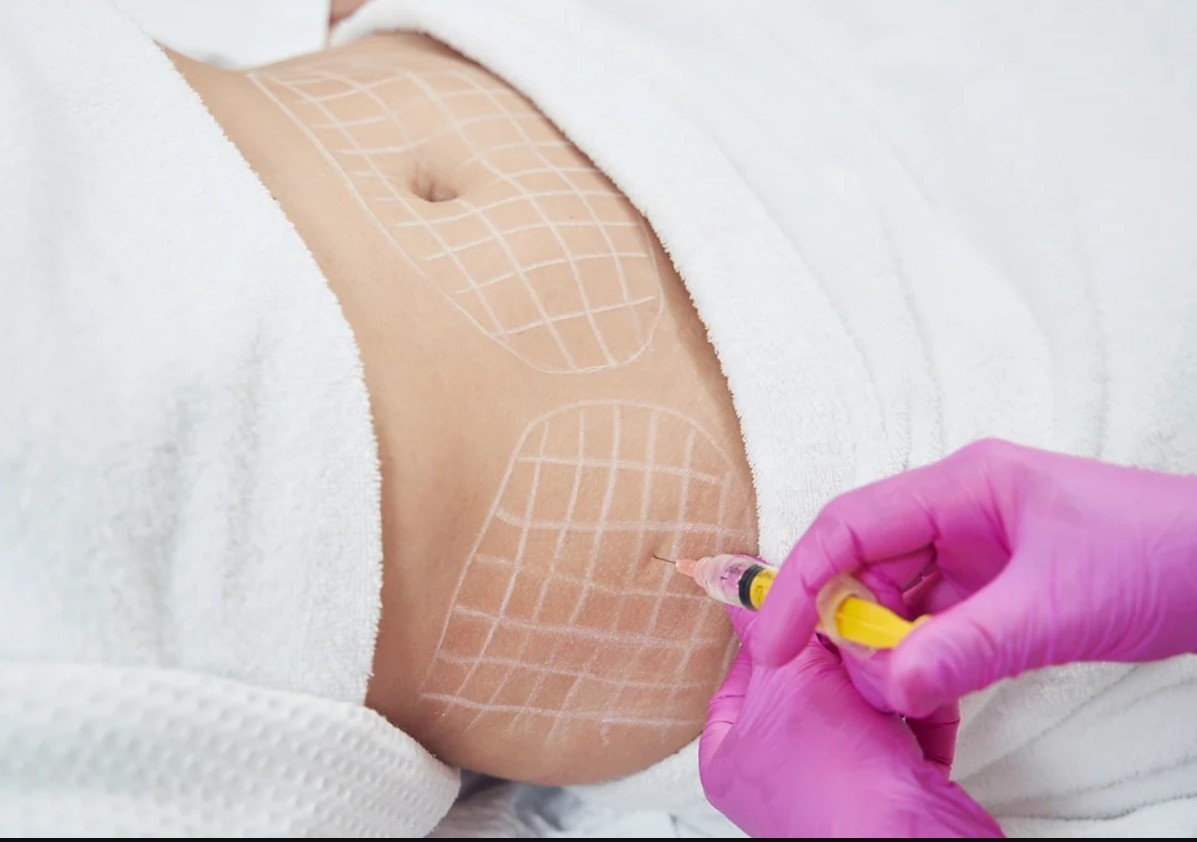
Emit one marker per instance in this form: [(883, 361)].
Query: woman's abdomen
[(550, 416)]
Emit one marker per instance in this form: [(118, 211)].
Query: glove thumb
[(723, 711), (999, 631)]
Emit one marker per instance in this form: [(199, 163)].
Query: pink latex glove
[(1034, 559), (796, 751)]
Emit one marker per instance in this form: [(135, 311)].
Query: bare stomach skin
[(548, 410)]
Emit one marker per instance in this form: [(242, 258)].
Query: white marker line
[(583, 633), (580, 714), (605, 510), (538, 429), (618, 525), (423, 224), (529, 504), (666, 470), (623, 281), (536, 147), (547, 582), (502, 242), (523, 229), (570, 507), (370, 91), (357, 194), (545, 669), (577, 314), (598, 334)]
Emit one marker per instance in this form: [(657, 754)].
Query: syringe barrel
[(735, 579)]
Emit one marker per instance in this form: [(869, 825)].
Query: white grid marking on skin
[(338, 81), (516, 271), (490, 633), (569, 513), (400, 198), (623, 283), (522, 271), (537, 451), (608, 496), (523, 710)]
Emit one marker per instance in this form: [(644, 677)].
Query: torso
[(548, 410)]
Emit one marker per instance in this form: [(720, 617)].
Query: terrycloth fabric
[(190, 539), (903, 229), (907, 226), (234, 33)]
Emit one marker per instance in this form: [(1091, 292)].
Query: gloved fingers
[(742, 620), (725, 706), (891, 519), (888, 580), (942, 810), (999, 631), (936, 734), (892, 581), (933, 594), (869, 672)]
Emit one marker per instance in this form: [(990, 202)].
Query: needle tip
[(666, 560)]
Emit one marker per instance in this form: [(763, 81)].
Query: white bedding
[(907, 226), (904, 226), (234, 33), (190, 539)]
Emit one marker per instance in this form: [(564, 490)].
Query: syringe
[(848, 612)]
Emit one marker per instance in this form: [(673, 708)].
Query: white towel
[(190, 537), (869, 233), (907, 226), (234, 33)]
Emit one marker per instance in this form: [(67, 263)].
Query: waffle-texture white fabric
[(190, 538)]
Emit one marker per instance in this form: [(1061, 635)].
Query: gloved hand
[(1035, 559), (796, 751)]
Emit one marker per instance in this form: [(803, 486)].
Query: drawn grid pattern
[(540, 645), (565, 278)]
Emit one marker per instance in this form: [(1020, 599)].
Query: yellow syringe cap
[(850, 614)]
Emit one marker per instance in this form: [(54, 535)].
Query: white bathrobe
[(905, 226), (190, 537)]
